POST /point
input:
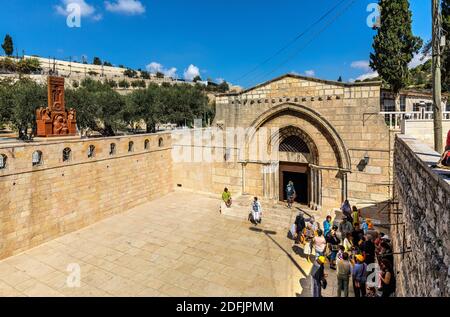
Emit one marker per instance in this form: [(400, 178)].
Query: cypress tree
[(394, 45), (8, 45)]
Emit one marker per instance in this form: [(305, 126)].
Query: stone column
[(313, 189), (244, 165), (319, 189)]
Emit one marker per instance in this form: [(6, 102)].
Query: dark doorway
[(300, 181)]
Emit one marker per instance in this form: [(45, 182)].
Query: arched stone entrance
[(302, 145)]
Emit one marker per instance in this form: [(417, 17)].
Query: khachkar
[(55, 120)]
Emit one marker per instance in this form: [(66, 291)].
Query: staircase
[(275, 214)]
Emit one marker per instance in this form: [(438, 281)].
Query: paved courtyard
[(178, 245)]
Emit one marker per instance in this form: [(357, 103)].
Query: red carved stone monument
[(55, 120)]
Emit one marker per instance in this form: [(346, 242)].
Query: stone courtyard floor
[(178, 245)]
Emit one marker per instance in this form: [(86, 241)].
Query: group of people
[(353, 248), (356, 251)]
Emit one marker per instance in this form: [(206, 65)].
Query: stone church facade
[(330, 138)]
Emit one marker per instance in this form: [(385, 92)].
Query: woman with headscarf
[(346, 209)]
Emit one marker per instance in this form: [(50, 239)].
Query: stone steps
[(275, 215)]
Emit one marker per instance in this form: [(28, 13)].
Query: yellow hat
[(321, 259), (360, 258)]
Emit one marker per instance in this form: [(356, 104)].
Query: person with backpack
[(290, 193), (359, 276), (256, 211)]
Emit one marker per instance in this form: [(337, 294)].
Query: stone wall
[(421, 225), (40, 203), (422, 130)]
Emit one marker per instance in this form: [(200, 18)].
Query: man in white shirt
[(256, 210)]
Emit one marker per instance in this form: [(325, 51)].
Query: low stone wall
[(422, 130), (39, 203), (420, 228)]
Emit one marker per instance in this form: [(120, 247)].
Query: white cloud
[(419, 59), (87, 10), (130, 7), (171, 72), (363, 65), (310, 73), (368, 75), (155, 67), (192, 72)]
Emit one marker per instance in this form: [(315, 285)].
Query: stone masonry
[(420, 229), (340, 121), (39, 203)]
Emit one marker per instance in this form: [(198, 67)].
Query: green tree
[(340, 79), (8, 45), (27, 96), (5, 101), (28, 66), (223, 87), (197, 79), (394, 45), (145, 74), (124, 84), (98, 106), (97, 61), (130, 73)]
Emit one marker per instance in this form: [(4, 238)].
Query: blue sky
[(219, 38)]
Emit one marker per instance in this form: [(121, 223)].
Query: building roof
[(318, 80)]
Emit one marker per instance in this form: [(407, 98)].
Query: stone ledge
[(427, 157)]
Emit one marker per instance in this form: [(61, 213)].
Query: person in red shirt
[(447, 147)]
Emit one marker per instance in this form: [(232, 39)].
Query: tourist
[(226, 197), (311, 228), (364, 226), (345, 227), (327, 226), (358, 236), (388, 283), (356, 216), (347, 209), (359, 276), (299, 228), (318, 276), (340, 254), (256, 211), (290, 193), (348, 244), (386, 252), (320, 244), (344, 270), (447, 145), (368, 249), (333, 242)]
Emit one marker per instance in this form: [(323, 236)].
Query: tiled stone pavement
[(178, 245)]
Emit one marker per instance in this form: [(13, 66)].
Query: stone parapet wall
[(422, 224), (40, 203)]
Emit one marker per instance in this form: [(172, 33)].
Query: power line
[(315, 35), (293, 40)]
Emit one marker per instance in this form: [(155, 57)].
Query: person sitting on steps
[(226, 197)]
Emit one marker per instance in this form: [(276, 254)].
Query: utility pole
[(437, 90)]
